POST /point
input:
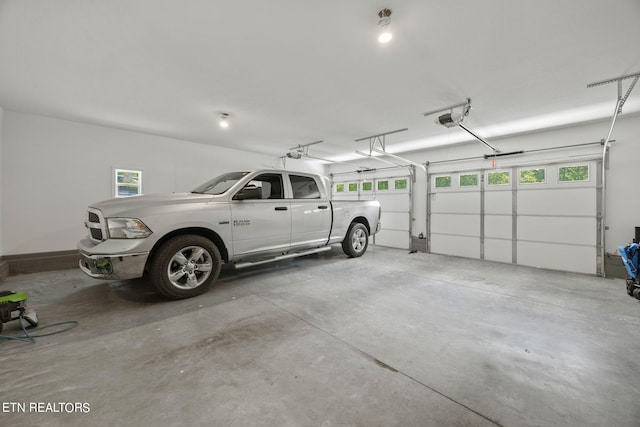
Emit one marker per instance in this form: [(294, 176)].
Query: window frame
[(476, 175), (532, 169), (587, 165), (118, 184), (499, 172), (435, 182)]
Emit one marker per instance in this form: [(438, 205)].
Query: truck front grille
[(96, 234), (96, 225)]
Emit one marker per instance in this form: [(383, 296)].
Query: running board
[(282, 257)]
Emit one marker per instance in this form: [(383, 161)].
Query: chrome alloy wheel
[(190, 267), (358, 239)]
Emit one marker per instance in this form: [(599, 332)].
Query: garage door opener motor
[(13, 306)]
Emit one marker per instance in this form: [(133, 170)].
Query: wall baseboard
[(613, 267), (37, 263), (4, 270)]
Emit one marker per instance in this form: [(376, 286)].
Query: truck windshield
[(220, 184)]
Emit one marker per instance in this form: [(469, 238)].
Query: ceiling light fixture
[(385, 35), (224, 120)]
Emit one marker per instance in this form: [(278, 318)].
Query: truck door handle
[(281, 208), (323, 207)]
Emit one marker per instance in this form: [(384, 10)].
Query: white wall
[(623, 197), (623, 201), (52, 169)]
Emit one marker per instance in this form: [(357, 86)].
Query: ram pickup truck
[(243, 218)]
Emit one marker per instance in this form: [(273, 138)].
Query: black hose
[(30, 337)]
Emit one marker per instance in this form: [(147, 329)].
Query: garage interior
[(494, 294)]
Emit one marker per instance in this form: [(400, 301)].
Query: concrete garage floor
[(387, 339)]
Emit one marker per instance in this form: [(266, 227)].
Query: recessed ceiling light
[(385, 35), (224, 120)]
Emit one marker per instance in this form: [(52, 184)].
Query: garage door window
[(339, 188), (498, 178), (353, 187), (367, 186), (383, 185), (573, 173), (401, 184), (469, 180), (443, 181), (532, 176)]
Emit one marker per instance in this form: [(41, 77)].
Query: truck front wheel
[(185, 266), (356, 241)]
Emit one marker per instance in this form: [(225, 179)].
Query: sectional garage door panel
[(394, 195), (457, 224), (392, 239), (463, 246), (558, 257), (498, 250), (540, 215), (498, 202), (564, 230), (459, 202), (498, 223), (345, 197), (396, 221), (498, 227), (567, 200), (398, 202)]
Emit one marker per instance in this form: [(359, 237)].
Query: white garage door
[(542, 215), (392, 190)]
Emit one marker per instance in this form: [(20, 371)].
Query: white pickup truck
[(244, 218)]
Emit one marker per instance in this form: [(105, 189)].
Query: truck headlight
[(127, 228)]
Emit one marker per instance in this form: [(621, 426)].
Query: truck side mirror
[(248, 193)]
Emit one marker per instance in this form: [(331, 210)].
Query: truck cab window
[(220, 184), (304, 187), (270, 185)]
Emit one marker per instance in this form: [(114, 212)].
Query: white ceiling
[(291, 72)]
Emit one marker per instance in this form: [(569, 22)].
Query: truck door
[(261, 216), (310, 212)]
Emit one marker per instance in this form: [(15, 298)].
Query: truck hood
[(138, 206)]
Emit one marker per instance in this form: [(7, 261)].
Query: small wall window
[(573, 173), (383, 185), (532, 176), (443, 181), (469, 180), (353, 186), (401, 184), (498, 178), (367, 186), (339, 188), (128, 183)]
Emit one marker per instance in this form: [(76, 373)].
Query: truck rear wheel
[(185, 266), (356, 241)]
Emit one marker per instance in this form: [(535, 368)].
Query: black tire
[(630, 287), (356, 241), (185, 266)]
